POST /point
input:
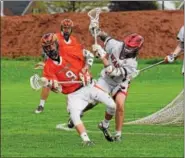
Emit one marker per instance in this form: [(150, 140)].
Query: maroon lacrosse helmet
[(132, 44)]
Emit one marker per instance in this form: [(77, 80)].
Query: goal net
[(173, 113)]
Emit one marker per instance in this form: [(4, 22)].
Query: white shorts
[(112, 89), (79, 99)]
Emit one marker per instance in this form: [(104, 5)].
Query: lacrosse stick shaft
[(95, 37), (66, 82), (149, 67)]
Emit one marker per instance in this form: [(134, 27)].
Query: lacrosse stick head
[(94, 14), (94, 22), (36, 83)]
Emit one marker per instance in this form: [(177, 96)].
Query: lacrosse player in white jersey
[(120, 66), (178, 50)]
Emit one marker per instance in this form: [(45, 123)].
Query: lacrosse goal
[(173, 113)]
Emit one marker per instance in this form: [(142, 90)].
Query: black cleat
[(70, 123), (39, 109), (106, 132)]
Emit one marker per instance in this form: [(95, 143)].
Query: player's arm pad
[(119, 71), (89, 57)]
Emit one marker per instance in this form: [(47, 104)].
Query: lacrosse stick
[(162, 61), (94, 18), (37, 83), (153, 65)]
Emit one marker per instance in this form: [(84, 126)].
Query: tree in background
[(132, 5)]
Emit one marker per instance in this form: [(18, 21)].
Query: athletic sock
[(105, 123), (42, 102), (118, 133), (84, 136)]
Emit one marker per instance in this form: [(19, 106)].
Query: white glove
[(109, 69), (170, 58), (57, 88), (53, 84), (44, 82), (135, 74), (85, 78), (99, 51)]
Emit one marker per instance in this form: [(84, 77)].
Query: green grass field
[(25, 134)]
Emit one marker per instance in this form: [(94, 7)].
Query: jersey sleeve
[(180, 35)]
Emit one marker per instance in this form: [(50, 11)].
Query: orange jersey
[(67, 47), (67, 70)]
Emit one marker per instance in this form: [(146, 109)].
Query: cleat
[(70, 123), (39, 109), (106, 132), (117, 138), (87, 143)]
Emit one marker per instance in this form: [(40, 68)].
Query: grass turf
[(25, 134)]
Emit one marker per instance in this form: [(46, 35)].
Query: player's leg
[(103, 97), (75, 105), (119, 94), (44, 95), (119, 116), (79, 126), (91, 105)]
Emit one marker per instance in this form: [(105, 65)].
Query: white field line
[(64, 128)]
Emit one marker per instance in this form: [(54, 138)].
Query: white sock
[(42, 102), (118, 133), (84, 136), (105, 123)]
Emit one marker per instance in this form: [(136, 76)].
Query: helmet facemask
[(52, 51), (66, 28), (66, 31), (128, 52)]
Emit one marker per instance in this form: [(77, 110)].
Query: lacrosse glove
[(170, 58), (53, 84), (85, 77), (99, 51)]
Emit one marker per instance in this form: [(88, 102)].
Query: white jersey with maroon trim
[(113, 48), (180, 35)]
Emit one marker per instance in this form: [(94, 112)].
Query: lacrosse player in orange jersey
[(69, 68), (68, 43)]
